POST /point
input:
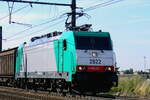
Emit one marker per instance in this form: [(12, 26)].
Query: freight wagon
[(7, 65)]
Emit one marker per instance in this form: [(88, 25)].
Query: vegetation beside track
[(134, 86)]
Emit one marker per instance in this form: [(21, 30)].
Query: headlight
[(94, 54), (80, 68), (109, 68)]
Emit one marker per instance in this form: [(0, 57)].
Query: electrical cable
[(32, 33), (104, 4), (15, 11), (86, 9), (18, 33)]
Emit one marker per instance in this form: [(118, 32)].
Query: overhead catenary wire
[(35, 26), (43, 29), (104, 4), (97, 5), (21, 17), (86, 9), (13, 12), (19, 33)]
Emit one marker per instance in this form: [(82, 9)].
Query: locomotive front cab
[(95, 60)]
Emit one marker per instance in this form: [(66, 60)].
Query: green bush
[(132, 86)]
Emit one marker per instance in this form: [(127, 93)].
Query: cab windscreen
[(93, 43)]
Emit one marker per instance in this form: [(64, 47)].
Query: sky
[(127, 21)]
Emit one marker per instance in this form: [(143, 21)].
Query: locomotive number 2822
[(95, 61)]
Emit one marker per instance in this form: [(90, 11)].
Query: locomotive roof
[(99, 34)]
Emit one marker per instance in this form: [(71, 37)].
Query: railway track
[(9, 93)]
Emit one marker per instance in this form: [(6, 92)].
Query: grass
[(134, 86)]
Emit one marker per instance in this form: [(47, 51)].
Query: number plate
[(95, 61)]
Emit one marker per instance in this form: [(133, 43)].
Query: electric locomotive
[(83, 61)]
